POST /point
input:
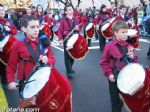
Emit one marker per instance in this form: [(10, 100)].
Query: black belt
[(26, 59)]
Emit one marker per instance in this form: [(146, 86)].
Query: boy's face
[(2, 12), (123, 11), (121, 34), (32, 30), (69, 11)]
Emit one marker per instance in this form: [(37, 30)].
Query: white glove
[(12, 86)]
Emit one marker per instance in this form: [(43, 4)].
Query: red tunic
[(64, 28), (20, 50)]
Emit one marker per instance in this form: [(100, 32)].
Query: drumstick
[(72, 31), (24, 83)]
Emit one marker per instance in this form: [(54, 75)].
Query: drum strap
[(71, 26), (35, 55), (122, 60)]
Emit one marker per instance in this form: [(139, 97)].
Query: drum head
[(105, 26), (128, 78), (132, 32), (41, 77), (89, 26), (71, 41)]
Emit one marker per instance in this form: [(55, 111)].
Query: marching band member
[(113, 10), (122, 11), (67, 24), (7, 30), (49, 19), (104, 16), (20, 51), (24, 57), (115, 56)]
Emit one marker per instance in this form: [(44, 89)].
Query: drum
[(47, 31), (106, 29), (5, 47), (39, 78), (133, 81), (55, 30), (133, 37), (49, 90), (90, 30), (77, 47)]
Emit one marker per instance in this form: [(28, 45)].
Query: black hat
[(103, 6)]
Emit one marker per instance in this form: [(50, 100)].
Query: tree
[(116, 2), (65, 2)]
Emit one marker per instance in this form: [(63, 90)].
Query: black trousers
[(102, 40), (116, 102), (149, 49), (3, 73), (52, 37), (69, 61), (89, 40)]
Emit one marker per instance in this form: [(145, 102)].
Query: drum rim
[(119, 87), (35, 70)]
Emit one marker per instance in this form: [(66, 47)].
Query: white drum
[(131, 78), (39, 78), (132, 32), (71, 41)]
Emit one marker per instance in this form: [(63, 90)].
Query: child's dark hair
[(119, 25), (27, 19), (65, 8), (122, 6), (1, 5)]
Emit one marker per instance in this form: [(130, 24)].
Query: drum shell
[(56, 91), (80, 48), (47, 31), (140, 101), (108, 32), (90, 32), (4, 55)]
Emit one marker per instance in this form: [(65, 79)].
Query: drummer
[(9, 29), (67, 24), (25, 54), (116, 55)]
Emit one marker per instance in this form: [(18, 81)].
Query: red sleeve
[(13, 30), (12, 63), (105, 62), (51, 60)]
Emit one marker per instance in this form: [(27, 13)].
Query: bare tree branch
[(79, 1), (116, 2), (71, 4)]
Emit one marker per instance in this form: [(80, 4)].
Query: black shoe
[(69, 75), (148, 54)]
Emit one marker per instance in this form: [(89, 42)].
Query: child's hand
[(12, 86), (44, 59), (130, 52), (112, 78)]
